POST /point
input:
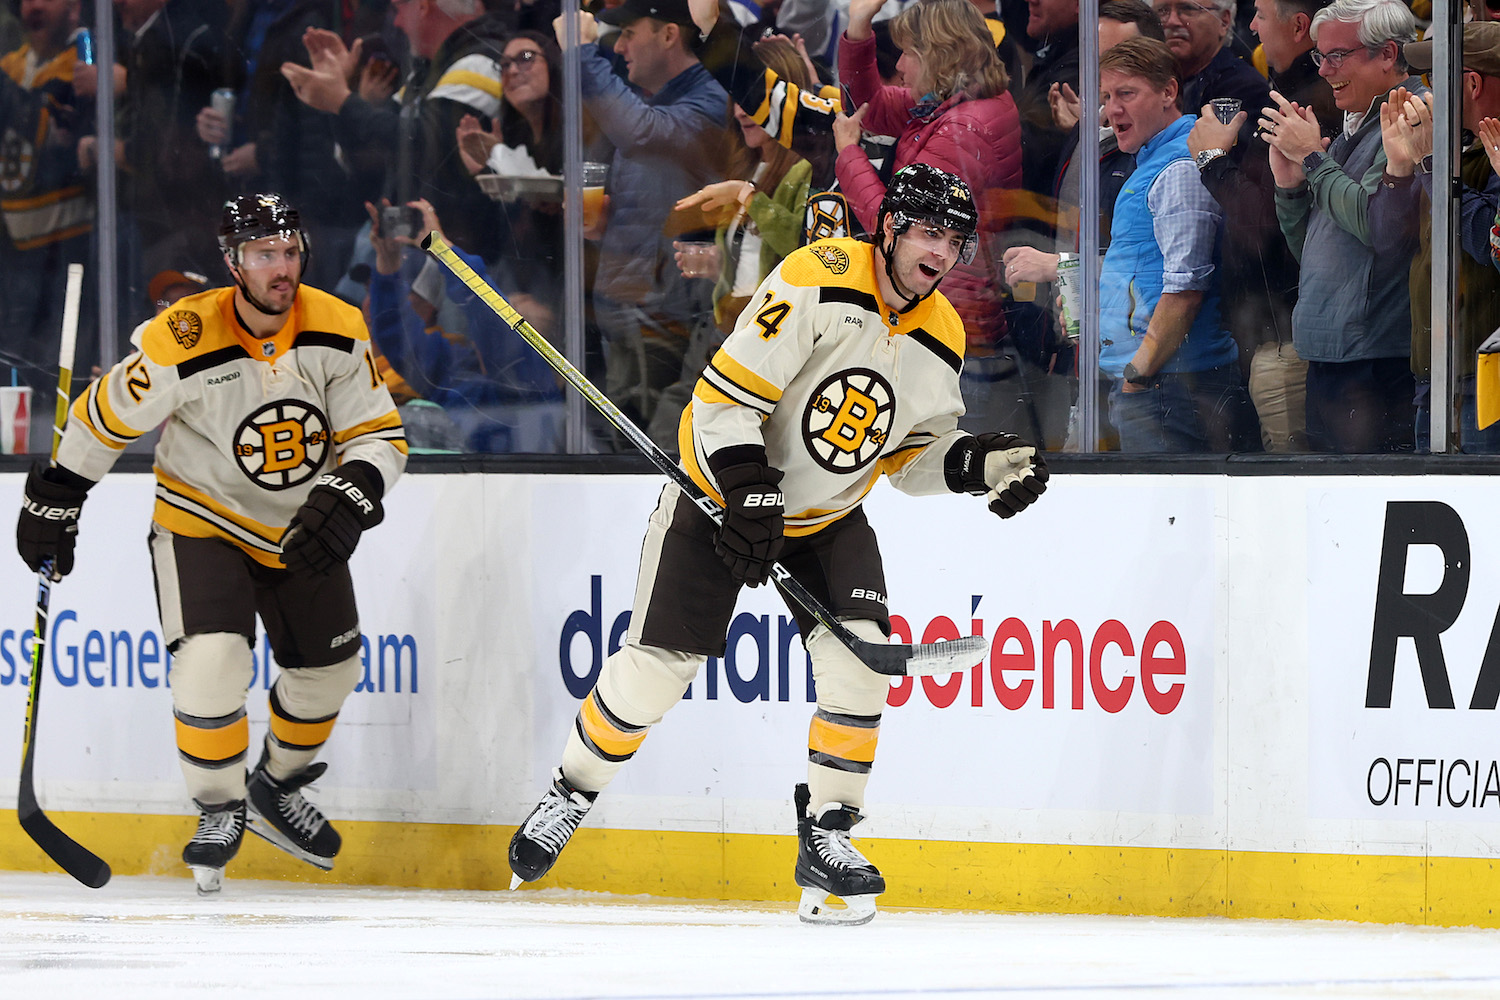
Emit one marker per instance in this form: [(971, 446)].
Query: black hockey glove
[(48, 526), (326, 528), (1008, 471), (750, 538)]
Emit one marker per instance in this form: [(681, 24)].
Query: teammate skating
[(829, 865), (278, 443), (843, 367), (221, 828)]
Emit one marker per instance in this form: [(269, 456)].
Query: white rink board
[(472, 581)]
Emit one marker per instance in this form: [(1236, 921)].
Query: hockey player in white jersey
[(843, 366), (279, 443)]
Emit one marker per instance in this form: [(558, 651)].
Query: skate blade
[(816, 908), (208, 879), (516, 882), (265, 831)]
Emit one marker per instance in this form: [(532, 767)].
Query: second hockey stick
[(905, 660), (71, 856)]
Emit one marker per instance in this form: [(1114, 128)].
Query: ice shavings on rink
[(154, 937)]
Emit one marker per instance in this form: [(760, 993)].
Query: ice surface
[(154, 937)]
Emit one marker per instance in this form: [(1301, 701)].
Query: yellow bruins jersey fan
[(250, 424), (837, 385)]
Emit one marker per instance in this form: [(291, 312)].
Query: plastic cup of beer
[(594, 176), (15, 419), (1225, 108), (699, 259)]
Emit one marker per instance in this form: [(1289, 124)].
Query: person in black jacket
[(1263, 274), (174, 56)]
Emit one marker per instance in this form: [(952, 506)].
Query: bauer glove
[(1009, 472), (750, 539), (48, 526), (343, 505)]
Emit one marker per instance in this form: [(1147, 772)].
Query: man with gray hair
[(1352, 322), (1198, 32)]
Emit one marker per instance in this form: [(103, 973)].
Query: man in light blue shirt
[(1176, 382)]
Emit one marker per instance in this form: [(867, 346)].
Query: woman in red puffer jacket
[(953, 113)]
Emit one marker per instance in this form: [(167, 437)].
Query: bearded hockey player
[(843, 366), (279, 443)]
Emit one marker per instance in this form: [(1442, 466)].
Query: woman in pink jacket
[(954, 113)]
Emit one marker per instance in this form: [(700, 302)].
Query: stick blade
[(71, 856), (927, 659)]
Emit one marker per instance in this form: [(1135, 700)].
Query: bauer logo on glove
[(326, 528)]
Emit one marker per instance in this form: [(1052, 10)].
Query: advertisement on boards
[(105, 734), (1404, 651), (1097, 692)]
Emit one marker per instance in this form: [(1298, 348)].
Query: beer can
[(83, 43), (1068, 276), (222, 101)]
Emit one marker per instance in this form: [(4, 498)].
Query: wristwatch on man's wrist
[(1206, 156), (1424, 165), (1133, 375), (1311, 160)]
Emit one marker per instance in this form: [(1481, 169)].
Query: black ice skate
[(278, 813), (214, 844), (829, 865), (536, 845)]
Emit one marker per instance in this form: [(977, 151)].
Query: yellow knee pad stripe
[(298, 734), (608, 736), (304, 735), (213, 742), (849, 738)]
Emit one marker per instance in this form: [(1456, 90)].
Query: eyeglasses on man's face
[(520, 59), (1334, 58)]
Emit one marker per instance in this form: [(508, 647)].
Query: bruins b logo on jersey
[(282, 444), (848, 419), (186, 326)]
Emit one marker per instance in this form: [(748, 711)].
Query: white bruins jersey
[(837, 385), (250, 424)]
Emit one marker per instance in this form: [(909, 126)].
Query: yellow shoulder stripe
[(744, 377)]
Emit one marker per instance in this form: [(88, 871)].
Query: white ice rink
[(153, 937)]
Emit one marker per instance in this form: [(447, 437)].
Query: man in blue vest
[(1176, 384)]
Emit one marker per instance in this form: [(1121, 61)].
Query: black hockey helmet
[(920, 192), (255, 216)]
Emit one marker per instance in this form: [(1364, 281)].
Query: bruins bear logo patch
[(833, 258), (186, 327)]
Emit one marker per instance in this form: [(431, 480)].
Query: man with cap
[(1400, 208), (666, 126)]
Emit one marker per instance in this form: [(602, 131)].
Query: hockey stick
[(71, 856), (908, 660)]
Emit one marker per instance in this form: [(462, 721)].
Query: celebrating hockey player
[(280, 441), (844, 366)]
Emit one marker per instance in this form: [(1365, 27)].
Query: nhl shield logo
[(833, 258), (186, 327)]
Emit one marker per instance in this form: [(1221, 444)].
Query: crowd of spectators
[(1265, 191)]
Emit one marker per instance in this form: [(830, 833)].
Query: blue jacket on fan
[(1131, 281)]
